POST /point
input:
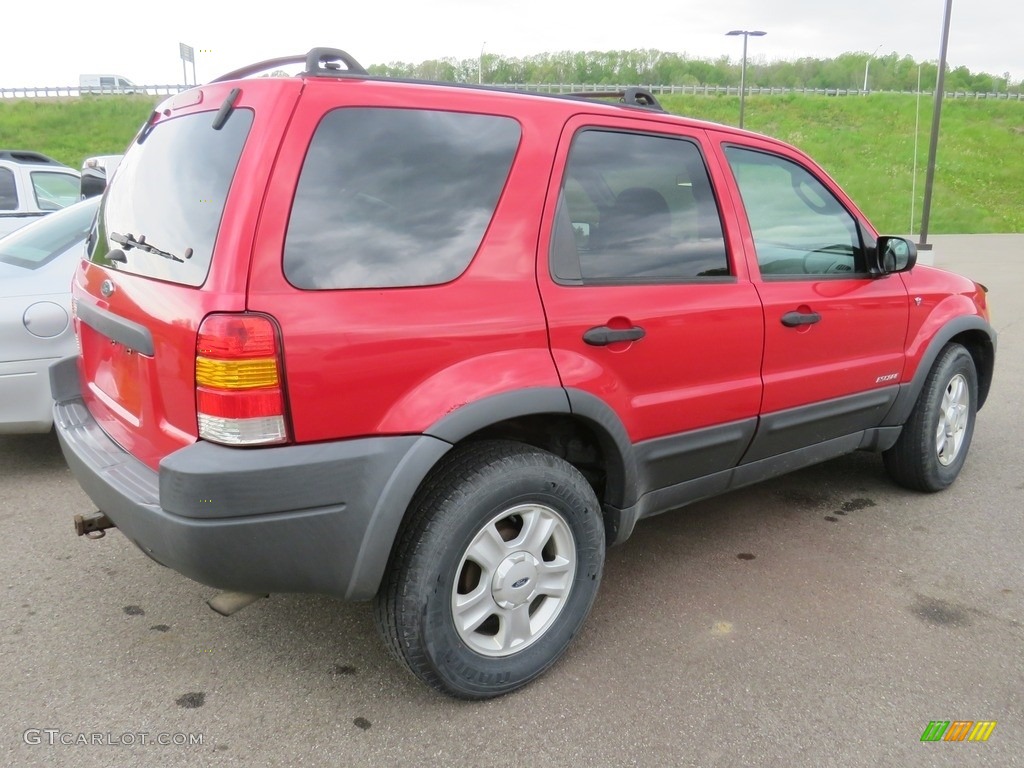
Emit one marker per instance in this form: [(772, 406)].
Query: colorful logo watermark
[(958, 730)]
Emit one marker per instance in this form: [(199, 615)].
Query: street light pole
[(743, 68), (480, 67), (933, 147), (866, 65)]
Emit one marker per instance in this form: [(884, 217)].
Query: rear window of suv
[(170, 190), (395, 197)]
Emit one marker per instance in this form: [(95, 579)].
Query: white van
[(106, 84)]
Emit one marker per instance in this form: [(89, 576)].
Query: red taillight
[(239, 398), (240, 404), (233, 337)]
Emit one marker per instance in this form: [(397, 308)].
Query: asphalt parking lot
[(820, 619)]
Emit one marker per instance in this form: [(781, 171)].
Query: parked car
[(106, 83), (32, 185), (36, 264), (96, 171), (455, 341)]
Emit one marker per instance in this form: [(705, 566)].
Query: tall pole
[(917, 134), (480, 67), (743, 79), (743, 66), (866, 65), (933, 147)]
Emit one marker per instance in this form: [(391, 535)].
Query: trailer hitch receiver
[(93, 525)]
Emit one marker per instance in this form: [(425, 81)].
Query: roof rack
[(326, 62), (320, 62), (633, 97)]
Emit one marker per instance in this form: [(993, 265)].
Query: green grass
[(865, 143), (72, 129)]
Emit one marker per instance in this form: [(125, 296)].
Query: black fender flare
[(472, 417), (621, 487), (390, 510), (909, 392), (535, 401), (623, 476)]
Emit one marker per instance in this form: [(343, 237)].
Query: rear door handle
[(795, 319), (603, 335)]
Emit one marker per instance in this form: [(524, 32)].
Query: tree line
[(891, 72)]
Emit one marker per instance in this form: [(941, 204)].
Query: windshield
[(169, 194), (42, 241)]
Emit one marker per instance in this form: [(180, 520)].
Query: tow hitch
[(93, 525)]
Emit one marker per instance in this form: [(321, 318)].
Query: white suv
[(31, 185)]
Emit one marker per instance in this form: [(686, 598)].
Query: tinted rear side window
[(636, 208), (395, 197), (171, 190)]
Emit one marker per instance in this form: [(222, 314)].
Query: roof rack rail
[(632, 97), (320, 62)]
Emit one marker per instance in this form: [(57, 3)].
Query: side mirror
[(895, 254), (93, 182)]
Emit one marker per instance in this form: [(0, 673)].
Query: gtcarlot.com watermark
[(53, 737)]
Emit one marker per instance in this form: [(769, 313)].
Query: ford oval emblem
[(107, 288), (521, 582)]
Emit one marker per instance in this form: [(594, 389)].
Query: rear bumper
[(307, 518)]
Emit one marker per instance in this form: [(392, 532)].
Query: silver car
[(32, 185), (36, 266)]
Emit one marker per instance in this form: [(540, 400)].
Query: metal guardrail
[(734, 90), (65, 91)]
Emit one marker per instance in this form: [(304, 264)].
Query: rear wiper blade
[(129, 241)]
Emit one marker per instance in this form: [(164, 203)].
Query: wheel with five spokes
[(933, 445), (495, 570)]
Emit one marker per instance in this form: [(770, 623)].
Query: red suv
[(439, 346)]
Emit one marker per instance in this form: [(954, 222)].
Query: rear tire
[(494, 572), (933, 445)]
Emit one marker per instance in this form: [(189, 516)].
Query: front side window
[(55, 190), (395, 197), (636, 208), (799, 227)]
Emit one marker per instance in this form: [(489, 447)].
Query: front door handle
[(795, 319), (602, 335)]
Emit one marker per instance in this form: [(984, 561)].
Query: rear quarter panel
[(397, 360)]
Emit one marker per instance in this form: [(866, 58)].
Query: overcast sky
[(52, 43)]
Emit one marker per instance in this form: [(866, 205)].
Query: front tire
[(933, 445), (495, 571)]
